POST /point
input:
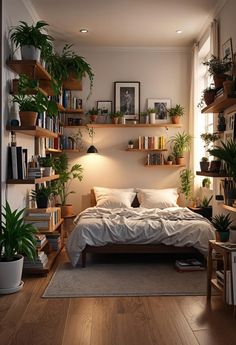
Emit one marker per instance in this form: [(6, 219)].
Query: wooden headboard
[(135, 203)]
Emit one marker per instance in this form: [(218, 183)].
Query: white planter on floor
[(11, 273)]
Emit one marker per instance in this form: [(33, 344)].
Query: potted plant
[(92, 113), (204, 164), (209, 139), (227, 153), (152, 115), (61, 187), (68, 66), (205, 208), (41, 195), (47, 164), (206, 182), (221, 223), (31, 39), (116, 116), (145, 116), (170, 160), (175, 113), (180, 143), (186, 182), (130, 144), (209, 95), (16, 239), (218, 69)]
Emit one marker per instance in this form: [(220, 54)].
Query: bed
[(137, 221)]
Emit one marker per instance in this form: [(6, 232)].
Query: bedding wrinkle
[(171, 226)]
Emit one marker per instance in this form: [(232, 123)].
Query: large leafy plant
[(217, 66), (180, 143), (66, 176), (221, 222), (16, 237), (38, 103)]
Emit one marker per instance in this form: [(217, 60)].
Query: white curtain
[(214, 38)]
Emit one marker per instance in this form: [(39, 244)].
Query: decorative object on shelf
[(160, 106), (91, 133), (61, 187), (218, 69), (152, 115), (227, 50), (169, 160), (127, 98), (206, 182), (104, 108), (175, 113), (130, 144), (204, 164), (32, 39), (221, 122), (227, 153), (92, 113), (68, 65), (180, 143), (221, 223), (186, 183), (16, 239), (144, 115), (116, 116), (42, 195)]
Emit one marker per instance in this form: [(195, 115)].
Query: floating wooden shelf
[(164, 166), (220, 104), (33, 180), (211, 174), (229, 208), (32, 68), (33, 131), (145, 150), (60, 107), (53, 150), (71, 150), (73, 111), (131, 125)]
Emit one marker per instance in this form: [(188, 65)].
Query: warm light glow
[(179, 31), (83, 31)]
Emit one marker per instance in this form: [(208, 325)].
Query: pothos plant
[(186, 182)]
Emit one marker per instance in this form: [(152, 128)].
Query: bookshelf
[(220, 104), (33, 180), (34, 131)]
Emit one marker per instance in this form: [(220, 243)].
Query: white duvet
[(172, 226)]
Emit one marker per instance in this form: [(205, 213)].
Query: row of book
[(52, 124), (155, 159), (151, 143), (17, 163), (189, 265), (71, 102), (44, 219), (40, 262)]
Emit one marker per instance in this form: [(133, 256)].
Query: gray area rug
[(148, 279)]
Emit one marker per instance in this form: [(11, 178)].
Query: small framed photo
[(104, 107), (228, 135), (127, 98), (228, 50), (160, 105)]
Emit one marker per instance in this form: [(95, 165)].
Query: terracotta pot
[(93, 118), (180, 161), (28, 118), (115, 120), (228, 86), (175, 119), (169, 162), (209, 96), (219, 79), (66, 210)]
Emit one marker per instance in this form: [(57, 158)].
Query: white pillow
[(157, 198), (114, 198)]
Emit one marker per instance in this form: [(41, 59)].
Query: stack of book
[(44, 219), (189, 265), (40, 261), (41, 240), (219, 92), (35, 172), (54, 240)]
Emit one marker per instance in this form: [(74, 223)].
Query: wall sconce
[(91, 133)]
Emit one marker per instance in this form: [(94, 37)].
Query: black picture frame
[(127, 98)]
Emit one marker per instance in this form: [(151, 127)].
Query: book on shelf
[(189, 265), (40, 261), (44, 219), (17, 163)]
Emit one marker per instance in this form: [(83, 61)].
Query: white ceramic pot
[(30, 53), (11, 273), (152, 118), (47, 171)]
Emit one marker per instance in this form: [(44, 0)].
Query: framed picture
[(127, 98), (104, 107), (160, 105), (228, 135), (228, 50)]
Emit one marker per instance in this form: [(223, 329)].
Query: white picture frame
[(104, 107), (127, 98), (160, 105)]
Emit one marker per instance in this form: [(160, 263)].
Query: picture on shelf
[(228, 50), (104, 107), (160, 106), (127, 98)]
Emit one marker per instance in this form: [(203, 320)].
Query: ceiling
[(126, 23)]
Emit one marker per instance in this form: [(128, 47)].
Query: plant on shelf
[(206, 182), (116, 116), (221, 223), (227, 153), (175, 113), (16, 239), (42, 195), (67, 174), (218, 69), (206, 201), (93, 113), (68, 65), (130, 144), (145, 116), (208, 96), (186, 183), (209, 140), (204, 164), (31, 38), (180, 143), (47, 164), (170, 160)]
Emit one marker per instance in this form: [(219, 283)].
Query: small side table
[(225, 252), (68, 223)]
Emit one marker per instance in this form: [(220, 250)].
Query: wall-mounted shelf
[(32, 68), (211, 174), (73, 111), (33, 180), (49, 150), (33, 131), (220, 104), (71, 150), (164, 166), (60, 107), (145, 150), (131, 125), (229, 208)]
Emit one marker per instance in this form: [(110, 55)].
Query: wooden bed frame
[(134, 248)]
